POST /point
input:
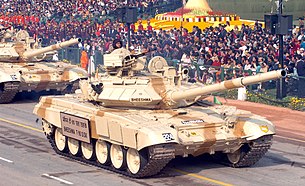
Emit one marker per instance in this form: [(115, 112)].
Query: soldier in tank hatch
[(117, 43)]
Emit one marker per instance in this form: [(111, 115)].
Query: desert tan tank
[(134, 122), (25, 66)]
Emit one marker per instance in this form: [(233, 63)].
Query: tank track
[(10, 89), (253, 152), (159, 157)]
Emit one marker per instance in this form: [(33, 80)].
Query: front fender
[(9, 77), (256, 127), (148, 137), (73, 74)]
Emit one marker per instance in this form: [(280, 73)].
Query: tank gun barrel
[(136, 56), (226, 85), (35, 52)]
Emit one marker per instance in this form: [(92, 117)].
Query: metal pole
[(128, 25), (128, 35), (281, 86), (181, 21), (281, 42)]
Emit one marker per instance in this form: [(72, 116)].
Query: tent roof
[(198, 5)]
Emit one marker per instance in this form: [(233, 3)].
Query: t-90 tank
[(134, 122), (25, 66)]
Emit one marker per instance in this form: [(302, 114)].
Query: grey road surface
[(26, 158)]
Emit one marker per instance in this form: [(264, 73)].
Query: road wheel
[(102, 149), (60, 140), (73, 146), (117, 156), (87, 150), (136, 160)]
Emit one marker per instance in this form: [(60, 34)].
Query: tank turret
[(125, 84), (23, 48)]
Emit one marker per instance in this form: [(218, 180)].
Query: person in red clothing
[(132, 27), (27, 19), (295, 45), (216, 65), (98, 33), (149, 27), (140, 27), (216, 62), (84, 60), (32, 18), (125, 28)]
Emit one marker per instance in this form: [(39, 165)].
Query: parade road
[(26, 157)]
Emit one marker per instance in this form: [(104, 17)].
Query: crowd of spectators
[(247, 50), (58, 20), (242, 51)]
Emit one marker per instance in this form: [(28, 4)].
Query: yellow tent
[(198, 13)]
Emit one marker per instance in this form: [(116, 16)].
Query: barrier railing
[(74, 54)]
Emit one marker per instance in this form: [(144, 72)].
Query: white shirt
[(91, 67), (55, 57), (247, 67)]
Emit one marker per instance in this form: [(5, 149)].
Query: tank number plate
[(75, 127), (168, 136), (14, 77)]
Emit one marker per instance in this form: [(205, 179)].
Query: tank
[(134, 121), (25, 66)]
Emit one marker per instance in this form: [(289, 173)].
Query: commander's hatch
[(121, 63)]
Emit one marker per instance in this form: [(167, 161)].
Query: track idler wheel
[(250, 153), (235, 157)]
